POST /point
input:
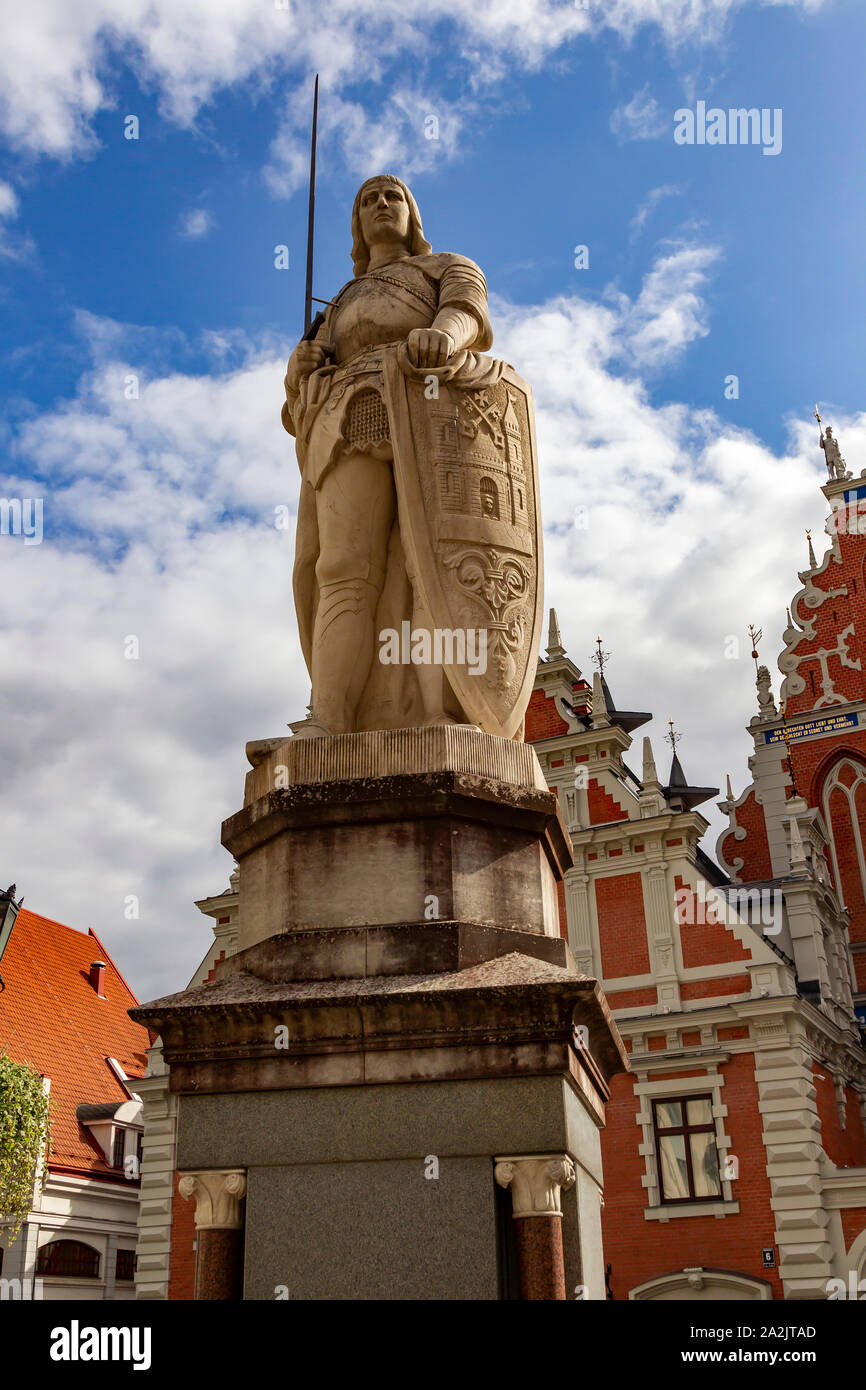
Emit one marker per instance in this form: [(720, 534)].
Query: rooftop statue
[(417, 577)]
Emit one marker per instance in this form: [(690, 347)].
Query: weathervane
[(672, 736), (755, 635), (600, 657)]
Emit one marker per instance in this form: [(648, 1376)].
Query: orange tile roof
[(52, 1018)]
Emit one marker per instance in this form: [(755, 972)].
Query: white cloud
[(8, 200), (196, 223), (59, 64), (159, 523), (641, 118), (669, 312), (648, 206), (409, 134), (14, 246)]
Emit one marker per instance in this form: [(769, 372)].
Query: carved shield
[(465, 468)]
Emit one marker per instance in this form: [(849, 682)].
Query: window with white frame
[(685, 1146)]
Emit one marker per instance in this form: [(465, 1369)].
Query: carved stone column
[(536, 1181), (219, 1227)]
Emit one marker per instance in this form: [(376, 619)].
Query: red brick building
[(735, 1152)]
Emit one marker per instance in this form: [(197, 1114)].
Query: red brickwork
[(543, 720), (754, 850), (182, 1279), (622, 926), (846, 1147), (830, 618), (640, 1250), (632, 998), (602, 806), (715, 989), (704, 942), (853, 1222)]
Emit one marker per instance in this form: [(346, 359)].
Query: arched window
[(843, 802), (68, 1259), (489, 498)]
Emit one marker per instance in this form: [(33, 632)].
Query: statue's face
[(384, 214)]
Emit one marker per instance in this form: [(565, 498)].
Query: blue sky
[(155, 257)]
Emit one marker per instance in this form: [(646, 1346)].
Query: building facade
[(63, 1013), (165, 1265), (735, 1151)]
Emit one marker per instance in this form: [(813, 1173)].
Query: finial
[(652, 797), (554, 638), (729, 790), (812, 561), (788, 616), (599, 704), (755, 635), (799, 863), (672, 736), (649, 763), (600, 657)]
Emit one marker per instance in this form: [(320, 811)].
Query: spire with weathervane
[(680, 794)]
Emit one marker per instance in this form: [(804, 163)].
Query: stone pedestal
[(401, 1012)]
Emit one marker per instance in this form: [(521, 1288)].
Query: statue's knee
[(337, 566)]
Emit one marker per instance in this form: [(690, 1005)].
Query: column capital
[(536, 1181), (217, 1198)]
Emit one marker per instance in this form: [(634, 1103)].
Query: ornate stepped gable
[(814, 745), (735, 990)]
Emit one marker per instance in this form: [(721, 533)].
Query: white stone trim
[(646, 1090), (699, 1279)]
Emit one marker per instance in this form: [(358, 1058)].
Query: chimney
[(97, 977)]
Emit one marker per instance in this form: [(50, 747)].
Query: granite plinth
[(397, 826)]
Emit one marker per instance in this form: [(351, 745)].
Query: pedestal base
[(402, 1010)]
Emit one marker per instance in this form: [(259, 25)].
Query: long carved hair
[(419, 245)]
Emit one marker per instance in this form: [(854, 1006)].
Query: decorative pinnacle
[(554, 637), (649, 764), (672, 736), (600, 657), (755, 635), (812, 561), (729, 790), (799, 863), (600, 718)]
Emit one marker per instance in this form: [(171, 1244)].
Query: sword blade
[(311, 215)]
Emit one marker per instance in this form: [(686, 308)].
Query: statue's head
[(385, 210)]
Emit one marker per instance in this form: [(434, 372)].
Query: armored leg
[(356, 504)]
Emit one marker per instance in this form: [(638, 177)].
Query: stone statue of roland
[(417, 575)]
